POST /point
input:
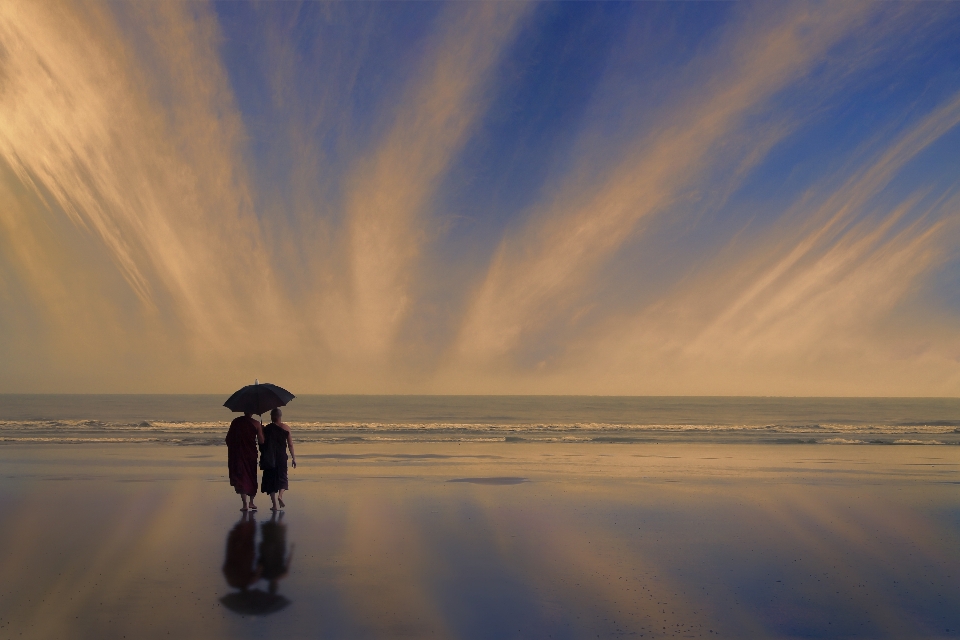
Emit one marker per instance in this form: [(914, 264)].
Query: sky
[(637, 198)]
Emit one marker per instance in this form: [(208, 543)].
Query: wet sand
[(485, 540)]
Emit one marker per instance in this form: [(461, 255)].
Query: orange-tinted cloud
[(142, 253)]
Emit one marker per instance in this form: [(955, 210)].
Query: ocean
[(202, 420)]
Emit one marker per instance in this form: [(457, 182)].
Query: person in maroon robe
[(242, 439)]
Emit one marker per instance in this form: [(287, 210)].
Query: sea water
[(201, 419)]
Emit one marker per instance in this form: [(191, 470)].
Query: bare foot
[(243, 509), (253, 507), (280, 500)]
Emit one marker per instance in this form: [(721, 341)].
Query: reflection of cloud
[(854, 542), (90, 578), (604, 541), (384, 557), (568, 561)]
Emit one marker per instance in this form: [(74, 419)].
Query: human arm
[(259, 431), (293, 456)]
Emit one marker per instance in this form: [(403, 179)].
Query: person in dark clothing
[(273, 458), (242, 439)]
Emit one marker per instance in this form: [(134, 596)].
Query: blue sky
[(470, 197)]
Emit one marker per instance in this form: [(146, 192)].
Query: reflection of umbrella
[(258, 398), (254, 602)]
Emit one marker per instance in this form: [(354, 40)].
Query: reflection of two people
[(243, 568)]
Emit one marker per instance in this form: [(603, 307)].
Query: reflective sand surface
[(484, 540)]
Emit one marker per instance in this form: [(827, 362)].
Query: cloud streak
[(389, 192), (585, 224), (808, 305), (82, 131), (180, 213)]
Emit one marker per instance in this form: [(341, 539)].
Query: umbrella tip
[(256, 381)]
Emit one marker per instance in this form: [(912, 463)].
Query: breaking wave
[(212, 433)]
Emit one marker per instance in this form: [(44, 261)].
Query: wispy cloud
[(171, 228), (157, 186), (801, 286), (584, 224), (808, 306), (389, 192)]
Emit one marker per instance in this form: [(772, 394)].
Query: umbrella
[(258, 398)]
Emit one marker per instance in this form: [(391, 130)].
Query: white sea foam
[(604, 421)]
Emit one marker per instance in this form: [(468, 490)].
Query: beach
[(579, 320), (486, 540)]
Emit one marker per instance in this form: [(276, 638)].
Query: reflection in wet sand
[(274, 562), (239, 566), (562, 541), (497, 480), (242, 571)]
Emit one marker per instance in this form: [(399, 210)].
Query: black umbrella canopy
[(258, 398)]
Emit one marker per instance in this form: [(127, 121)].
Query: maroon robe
[(242, 455)]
